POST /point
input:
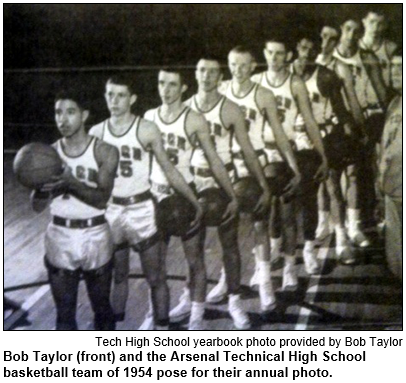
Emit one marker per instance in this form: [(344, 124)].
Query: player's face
[(350, 31), (307, 52), (208, 75), (69, 117), (170, 87), (329, 38), (241, 66), (275, 55), (119, 99), (396, 72), (374, 24)]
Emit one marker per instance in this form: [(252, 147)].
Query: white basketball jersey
[(384, 60), (363, 87), (220, 134), (254, 117), (287, 107), (134, 166), (177, 145), (321, 106), (84, 168)]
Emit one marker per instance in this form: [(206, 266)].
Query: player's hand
[(198, 216), (322, 172), (231, 212), (264, 202), (58, 184), (292, 186)]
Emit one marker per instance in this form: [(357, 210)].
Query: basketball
[(35, 164), (248, 193), (214, 202), (174, 215)]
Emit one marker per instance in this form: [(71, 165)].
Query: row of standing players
[(281, 127)]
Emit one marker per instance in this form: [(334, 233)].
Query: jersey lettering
[(126, 152), (175, 141)]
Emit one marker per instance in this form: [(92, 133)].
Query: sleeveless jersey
[(254, 118), (176, 143), (220, 134), (287, 107), (84, 168), (134, 166), (384, 60), (363, 87), (321, 106)]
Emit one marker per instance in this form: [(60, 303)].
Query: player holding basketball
[(78, 240), (373, 40), (336, 126), (183, 129), (131, 211), (292, 97), (226, 121), (259, 106), (372, 97)]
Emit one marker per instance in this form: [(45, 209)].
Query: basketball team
[(272, 145)]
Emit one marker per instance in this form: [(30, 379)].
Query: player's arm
[(344, 72), (375, 75), (300, 93), (196, 124), (107, 158), (151, 139), (233, 117), (267, 103)]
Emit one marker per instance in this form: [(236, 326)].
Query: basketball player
[(131, 211), (329, 39), (259, 106), (390, 175), (292, 97), (183, 129), (226, 121), (373, 40), (372, 97), (336, 126), (78, 241)]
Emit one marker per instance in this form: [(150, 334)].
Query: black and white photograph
[(202, 167)]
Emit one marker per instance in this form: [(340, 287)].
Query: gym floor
[(361, 297)]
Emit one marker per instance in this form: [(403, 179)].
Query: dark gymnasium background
[(51, 46)]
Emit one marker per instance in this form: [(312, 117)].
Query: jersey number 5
[(126, 169)]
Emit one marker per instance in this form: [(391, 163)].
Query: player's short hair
[(243, 49), (348, 17), (280, 39), (212, 57), (331, 24), (73, 94), (376, 10), (123, 79), (175, 70)]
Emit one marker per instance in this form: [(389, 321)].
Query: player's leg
[(323, 228), (154, 269), (119, 293), (98, 284), (193, 246), (64, 287), (343, 250), (115, 216), (228, 235), (61, 245), (354, 207)]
